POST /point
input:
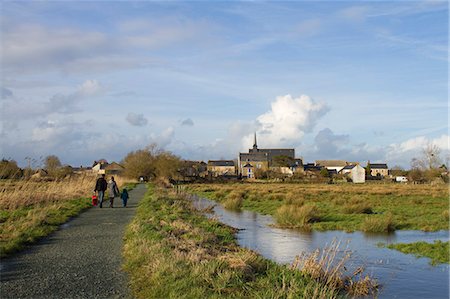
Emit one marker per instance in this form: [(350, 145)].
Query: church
[(264, 159)]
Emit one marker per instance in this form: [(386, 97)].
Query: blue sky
[(335, 80)]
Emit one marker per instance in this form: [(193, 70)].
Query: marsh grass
[(438, 252), (379, 224), (234, 200), (345, 206), (328, 266), (294, 216), (172, 251), (357, 208)]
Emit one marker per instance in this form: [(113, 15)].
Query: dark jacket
[(101, 184)]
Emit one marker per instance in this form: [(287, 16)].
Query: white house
[(356, 172), (337, 165)]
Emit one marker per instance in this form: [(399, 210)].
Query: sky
[(350, 80)]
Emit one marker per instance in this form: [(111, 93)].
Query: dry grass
[(326, 267), (24, 193), (234, 200), (379, 224), (297, 216), (31, 209)]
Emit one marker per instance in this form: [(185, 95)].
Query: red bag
[(94, 200)]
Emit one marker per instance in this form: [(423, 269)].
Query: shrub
[(234, 200), (297, 216), (379, 224)]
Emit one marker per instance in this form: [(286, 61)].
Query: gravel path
[(81, 260)]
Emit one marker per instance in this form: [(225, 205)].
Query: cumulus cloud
[(187, 122), (287, 122), (404, 151), (137, 120)]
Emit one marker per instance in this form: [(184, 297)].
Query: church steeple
[(255, 144)]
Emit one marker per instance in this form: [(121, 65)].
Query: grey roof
[(331, 163), (349, 166), (221, 163), (247, 165), (378, 165)]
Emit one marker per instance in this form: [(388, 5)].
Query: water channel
[(401, 275)]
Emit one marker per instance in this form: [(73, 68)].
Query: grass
[(172, 251), (31, 209), (294, 216), (326, 267), (25, 225), (438, 252), (349, 207)]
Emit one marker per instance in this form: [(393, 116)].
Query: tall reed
[(329, 267)]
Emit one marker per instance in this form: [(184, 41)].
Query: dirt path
[(81, 260)]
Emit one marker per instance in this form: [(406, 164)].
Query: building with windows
[(263, 159)]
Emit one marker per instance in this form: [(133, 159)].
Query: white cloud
[(287, 122), (89, 88), (137, 120), (403, 152)]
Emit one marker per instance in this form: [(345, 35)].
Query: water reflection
[(402, 276)]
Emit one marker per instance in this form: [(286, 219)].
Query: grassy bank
[(172, 251), (438, 251), (30, 210), (349, 207), (25, 225)]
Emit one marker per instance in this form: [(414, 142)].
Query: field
[(348, 207), (438, 251), (173, 251), (32, 209)]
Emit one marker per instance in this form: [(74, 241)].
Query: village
[(273, 163)]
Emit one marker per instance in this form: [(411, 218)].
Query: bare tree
[(429, 159)]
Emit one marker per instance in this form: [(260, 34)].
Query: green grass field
[(349, 207), (172, 251), (438, 252), (25, 225)]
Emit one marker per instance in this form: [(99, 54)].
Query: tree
[(398, 171), (282, 161), (368, 169), (139, 163), (167, 165), (52, 163), (431, 156), (151, 162), (9, 169)]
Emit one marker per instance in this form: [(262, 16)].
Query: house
[(99, 167), (378, 169), (221, 167), (264, 159), (193, 169), (355, 172), (248, 171), (114, 168), (336, 165)]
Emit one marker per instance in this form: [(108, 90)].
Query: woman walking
[(113, 191)]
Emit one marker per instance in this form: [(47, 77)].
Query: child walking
[(124, 197)]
